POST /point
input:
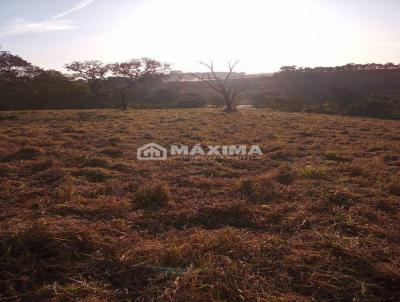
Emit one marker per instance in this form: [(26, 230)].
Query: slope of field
[(81, 219)]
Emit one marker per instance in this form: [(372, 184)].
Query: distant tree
[(350, 66), (53, 89), (16, 80), (347, 67), (135, 72), (13, 67), (94, 72), (390, 66), (166, 95), (288, 68), (227, 88)]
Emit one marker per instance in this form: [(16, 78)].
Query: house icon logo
[(152, 151)]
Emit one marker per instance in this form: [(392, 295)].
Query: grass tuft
[(334, 156), (152, 196), (259, 189), (96, 162), (94, 174), (312, 172)]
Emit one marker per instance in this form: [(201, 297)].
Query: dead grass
[(394, 186), (237, 214), (93, 174), (332, 155), (314, 219), (24, 153), (260, 189), (312, 172), (152, 196)]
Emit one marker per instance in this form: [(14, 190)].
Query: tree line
[(94, 84), (347, 67), (90, 83), (140, 83)]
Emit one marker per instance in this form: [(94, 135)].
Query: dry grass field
[(316, 218)]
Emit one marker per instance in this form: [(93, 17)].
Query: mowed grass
[(316, 218)]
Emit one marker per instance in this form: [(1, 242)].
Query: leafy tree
[(54, 89), (16, 75), (288, 68), (135, 72), (94, 72), (13, 67)]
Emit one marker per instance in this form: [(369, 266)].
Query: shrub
[(152, 196), (191, 103), (278, 103)]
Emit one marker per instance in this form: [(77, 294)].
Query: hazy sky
[(262, 34)]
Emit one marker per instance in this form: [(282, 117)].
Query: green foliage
[(379, 106), (278, 103)]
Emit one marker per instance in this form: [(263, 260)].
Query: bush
[(278, 103), (191, 103)]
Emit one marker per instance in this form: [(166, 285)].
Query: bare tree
[(223, 85)]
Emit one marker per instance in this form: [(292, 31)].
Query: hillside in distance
[(313, 86)]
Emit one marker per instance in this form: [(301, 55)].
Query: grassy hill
[(315, 218)]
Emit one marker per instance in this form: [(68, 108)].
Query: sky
[(262, 34)]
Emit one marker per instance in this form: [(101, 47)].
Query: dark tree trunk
[(124, 101), (94, 88), (229, 104)]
